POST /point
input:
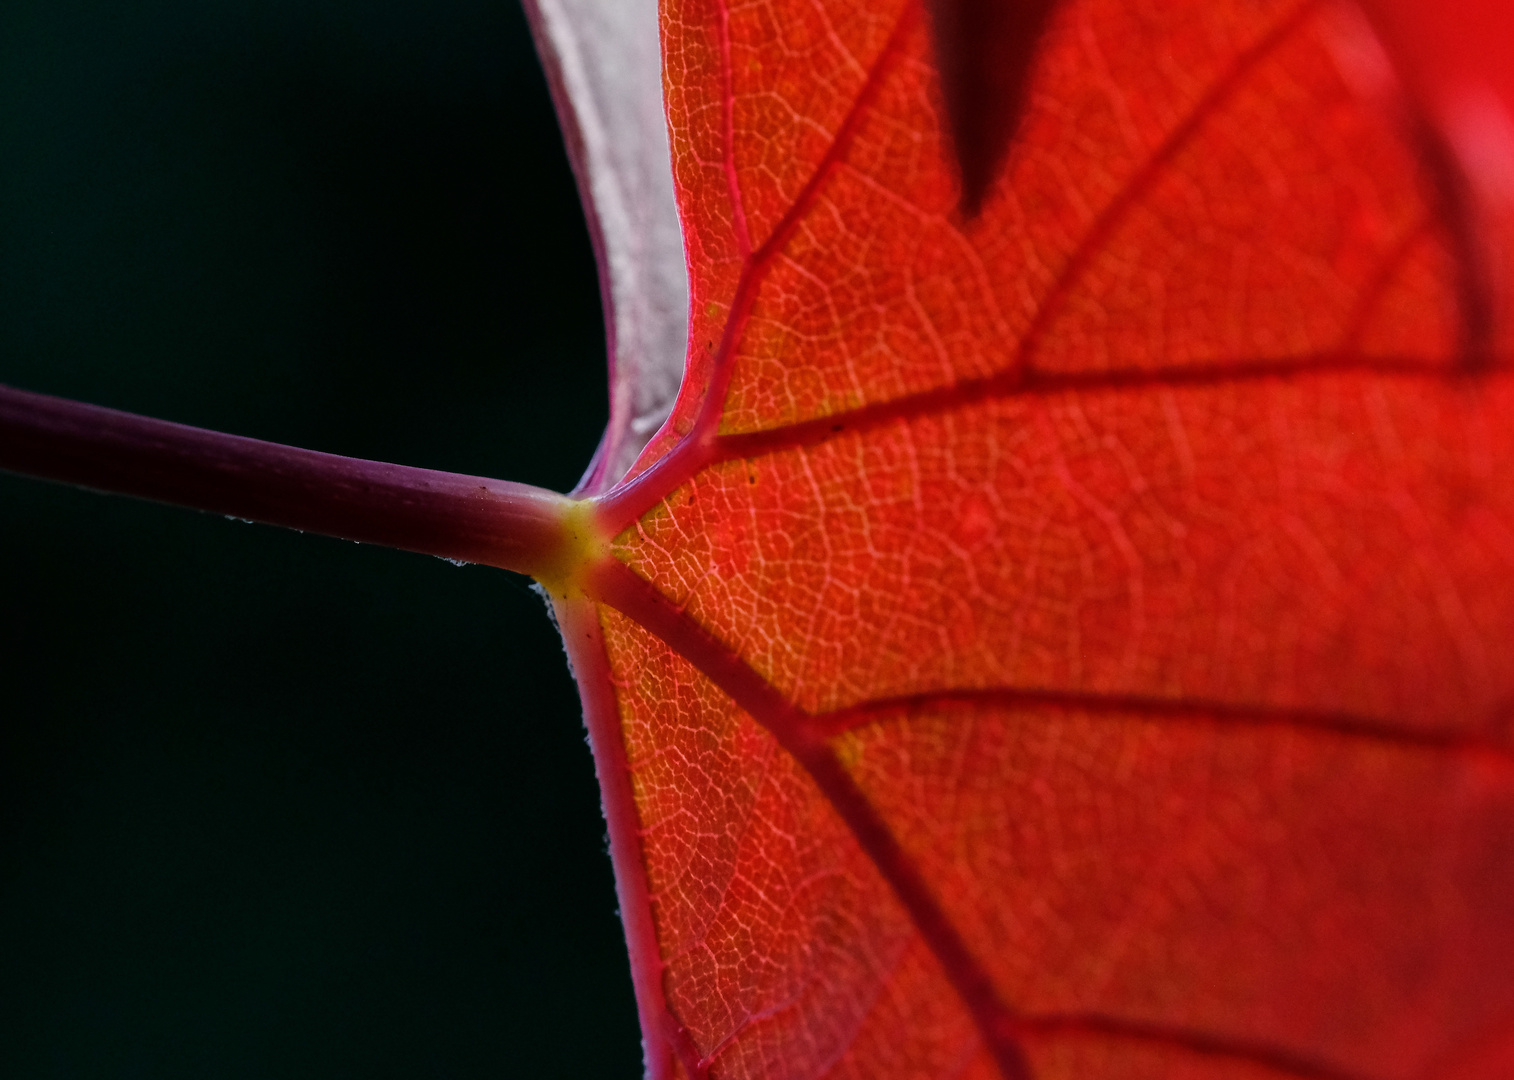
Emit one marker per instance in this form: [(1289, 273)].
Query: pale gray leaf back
[(604, 62)]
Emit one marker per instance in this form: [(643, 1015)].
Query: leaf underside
[(1065, 639)]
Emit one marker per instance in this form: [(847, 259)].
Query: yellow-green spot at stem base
[(584, 543)]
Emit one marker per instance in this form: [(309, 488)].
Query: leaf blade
[(1183, 473)]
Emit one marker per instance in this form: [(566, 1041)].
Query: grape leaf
[(1058, 628), (1061, 628)]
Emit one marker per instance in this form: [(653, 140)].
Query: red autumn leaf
[(1060, 629), (1069, 637)]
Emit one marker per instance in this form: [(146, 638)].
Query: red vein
[(584, 642), (1474, 285), (1372, 294), (697, 1067), (828, 725), (630, 501), (728, 132), (1150, 172), (1034, 384), (619, 509), (1266, 1054), (761, 261), (613, 583)]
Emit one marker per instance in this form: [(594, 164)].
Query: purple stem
[(467, 518)]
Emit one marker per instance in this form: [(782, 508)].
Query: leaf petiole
[(454, 516)]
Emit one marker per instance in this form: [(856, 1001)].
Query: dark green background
[(275, 805)]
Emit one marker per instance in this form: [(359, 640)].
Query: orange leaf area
[(1071, 641)]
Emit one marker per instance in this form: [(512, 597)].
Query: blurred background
[(275, 805)]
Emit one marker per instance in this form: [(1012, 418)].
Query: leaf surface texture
[(1068, 640)]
